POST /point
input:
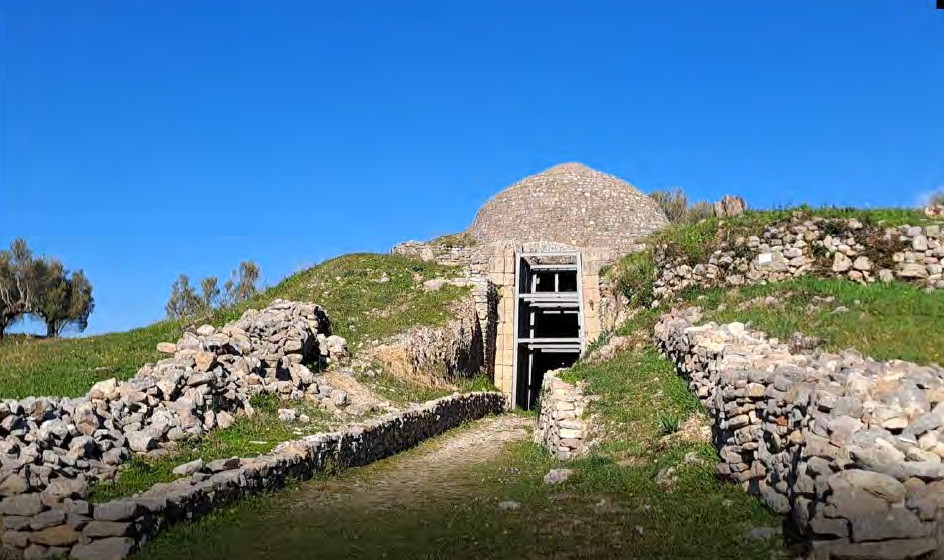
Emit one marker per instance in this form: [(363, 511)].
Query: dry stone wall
[(824, 247), (63, 524), (561, 427), (54, 447), (851, 448)]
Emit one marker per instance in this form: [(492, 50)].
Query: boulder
[(114, 548)]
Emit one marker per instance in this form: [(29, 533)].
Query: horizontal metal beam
[(554, 267), (563, 306), (550, 296), (549, 340)]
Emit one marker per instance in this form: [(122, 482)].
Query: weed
[(668, 424)]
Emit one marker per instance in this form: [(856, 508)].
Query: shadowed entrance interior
[(548, 320)]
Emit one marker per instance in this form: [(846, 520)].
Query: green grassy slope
[(894, 321), (360, 306)]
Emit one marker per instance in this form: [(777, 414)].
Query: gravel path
[(431, 470)]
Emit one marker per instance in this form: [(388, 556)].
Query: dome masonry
[(569, 203)]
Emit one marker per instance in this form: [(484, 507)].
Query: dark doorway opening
[(548, 318)]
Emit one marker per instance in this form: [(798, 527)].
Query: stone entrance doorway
[(548, 318)]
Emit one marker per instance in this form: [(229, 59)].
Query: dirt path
[(431, 470)]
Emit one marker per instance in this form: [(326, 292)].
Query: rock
[(48, 518), (60, 535), (842, 428), (141, 441), (434, 285), (223, 464), (107, 389), (166, 347), (224, 419), (508, 505), (66, 487), (13, 484), (877, 484), (23, 504), (98, 529), (189, 468), (729, 206), (287, 415), (115, 548), (205, 330), (557, 476), (40, 552), (894, 523), (912, 271), (205, 361), (841, 263), (862, 264), (117, 510), (338, 397)]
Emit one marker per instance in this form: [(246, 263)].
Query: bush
[(677, 209)]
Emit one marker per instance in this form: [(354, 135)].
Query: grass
[(456, 240), (401, 392), (693, 243), (361, 307), (893, 321), (247, 437), (639, 395), (614, 505), (69, 366), (604, 511)]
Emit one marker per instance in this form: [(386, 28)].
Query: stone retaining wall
[(56, 446), (561, 427), (49, 525), (801, 246), (849, 447), (436, 356)]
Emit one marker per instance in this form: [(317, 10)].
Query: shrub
[(673, 204)]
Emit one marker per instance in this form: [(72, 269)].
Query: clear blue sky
[(142, 139)]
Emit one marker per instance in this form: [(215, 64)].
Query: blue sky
[(145, 138)]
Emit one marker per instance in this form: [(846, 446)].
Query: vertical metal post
[(580, 321), (519, 269)]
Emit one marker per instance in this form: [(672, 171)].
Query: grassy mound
[(886, 322), (367, 296), (635, 274)]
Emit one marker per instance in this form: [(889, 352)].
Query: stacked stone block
[(54, 447), (819, 246), (64, 524), (561, 427), (851, 448)]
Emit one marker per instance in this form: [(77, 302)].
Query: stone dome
[(572, 204)]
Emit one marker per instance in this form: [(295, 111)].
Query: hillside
[(367, 296), (648, 483)]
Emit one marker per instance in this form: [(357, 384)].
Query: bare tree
[(210, 293), (242, 283), (183, 301)]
